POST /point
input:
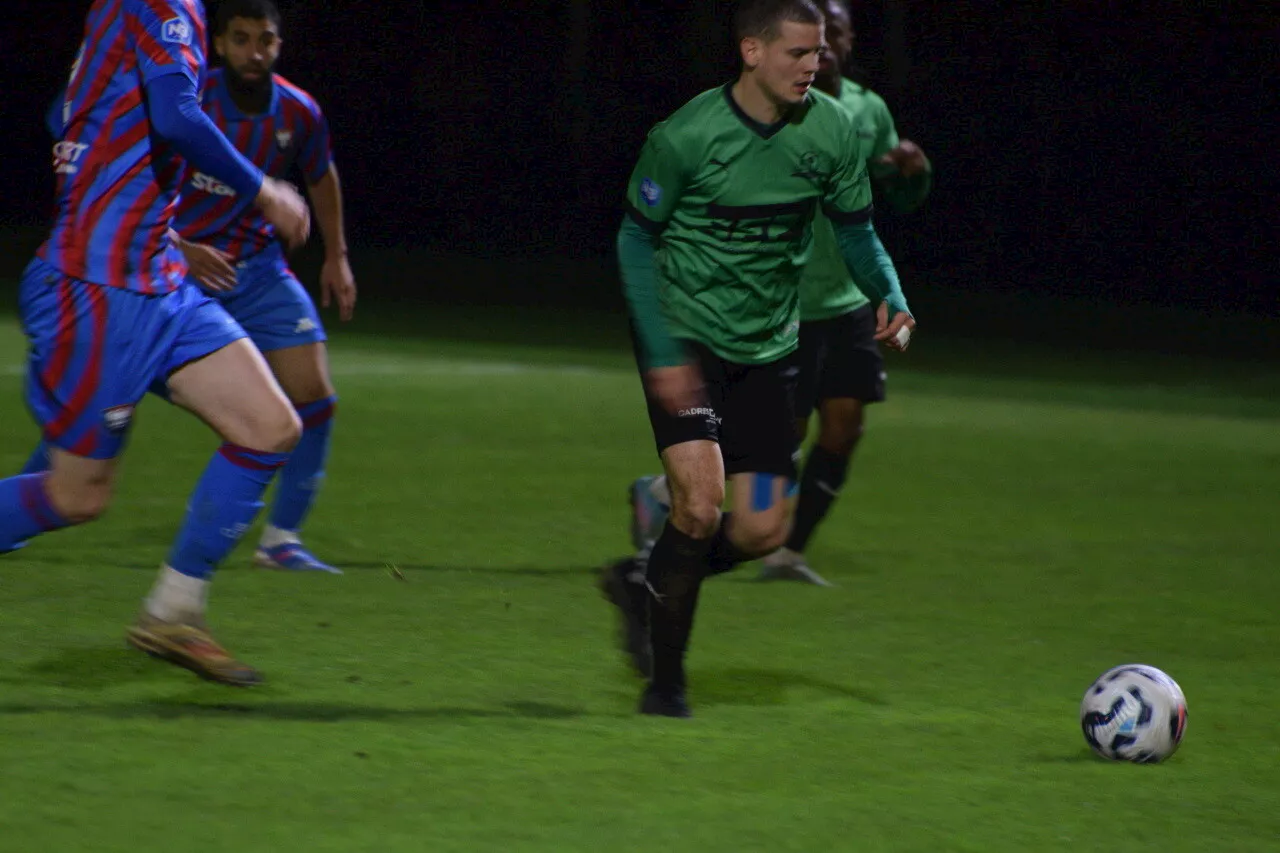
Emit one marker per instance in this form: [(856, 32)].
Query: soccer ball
[(1134, 713)]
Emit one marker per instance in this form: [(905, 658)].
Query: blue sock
[(303, 474), (39, 461), (25, 511), (224, 504)]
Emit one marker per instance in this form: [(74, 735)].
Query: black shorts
[(748, 411), (839, 358)]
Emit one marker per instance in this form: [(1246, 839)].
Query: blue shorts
[(95, 350), (271, 304)]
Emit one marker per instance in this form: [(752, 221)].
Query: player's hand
[(676, 388), (897, 334), (908, 158), (337, 283), (283, 206), (211, 267)]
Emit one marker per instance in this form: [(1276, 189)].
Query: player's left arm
[(337, 283), (898, 166), (847, 204)]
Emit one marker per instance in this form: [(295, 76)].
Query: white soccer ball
[(1134, 713)]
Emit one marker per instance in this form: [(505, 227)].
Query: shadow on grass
[(303, 712), (1083, 755), (767, 687), (90, 669), (95, 669)]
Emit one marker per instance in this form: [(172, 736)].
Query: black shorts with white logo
[(748, 411), (839, 358)]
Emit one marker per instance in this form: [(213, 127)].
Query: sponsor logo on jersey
[(784, 222), (283, 138), (117, 418), (650, 192), (210, 184), (176, 31), (67, 155)]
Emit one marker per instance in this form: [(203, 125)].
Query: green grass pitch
[(1016, 523)]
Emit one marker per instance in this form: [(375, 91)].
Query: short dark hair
[(763, 19), (253, 10)]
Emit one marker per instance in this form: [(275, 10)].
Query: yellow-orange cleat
[(191, 647)]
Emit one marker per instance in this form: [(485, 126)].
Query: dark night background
[(1097, 164)]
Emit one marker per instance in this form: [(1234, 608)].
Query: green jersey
[(733, 203), (827, 289)]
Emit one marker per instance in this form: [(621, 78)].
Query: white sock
[(274, 537), (177, 597)]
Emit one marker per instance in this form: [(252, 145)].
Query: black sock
[(676, 568), (724, 556), (823, 476)]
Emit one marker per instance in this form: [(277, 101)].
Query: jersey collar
[(764, 131)]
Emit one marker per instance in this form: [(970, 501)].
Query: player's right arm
[(171, 61), (652, 194)]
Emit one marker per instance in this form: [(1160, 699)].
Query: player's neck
[(755, 104)]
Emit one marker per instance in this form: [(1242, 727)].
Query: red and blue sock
[(303, 474), (25, 511), (223, 506)]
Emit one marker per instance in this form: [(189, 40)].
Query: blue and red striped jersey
[(117, 182), (291, 131)]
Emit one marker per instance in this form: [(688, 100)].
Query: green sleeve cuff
[(636, 247), (870, 265)]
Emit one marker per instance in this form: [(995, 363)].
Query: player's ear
[(751, 51), (220, 46)]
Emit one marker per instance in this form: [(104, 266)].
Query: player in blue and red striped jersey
[(107, 314), (234, 253)]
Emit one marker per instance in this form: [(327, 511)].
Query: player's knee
[(278, 433), (760, 534), (287, 432), (842, 442), (697, 514), (79, 502), (310, 392), (842, 428)]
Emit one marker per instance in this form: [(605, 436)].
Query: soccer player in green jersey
[(719, 229), (841, 367)]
